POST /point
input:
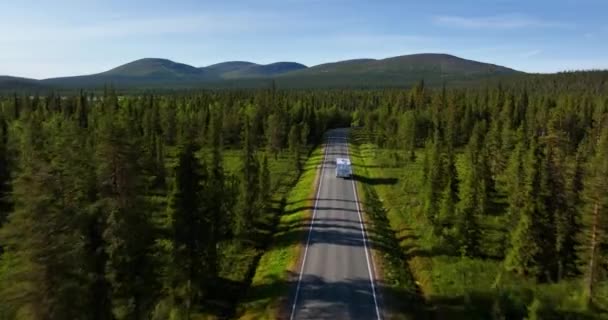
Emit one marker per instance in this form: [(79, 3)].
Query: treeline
[(115, 207), (120, 207), (529, 153)]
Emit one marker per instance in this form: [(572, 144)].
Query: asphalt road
[(336, 279)]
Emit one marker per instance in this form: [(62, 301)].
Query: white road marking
[(314, 213), (363, 234)]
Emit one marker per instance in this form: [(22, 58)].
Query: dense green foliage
[(159, 206), (508, 175), (121, 207)]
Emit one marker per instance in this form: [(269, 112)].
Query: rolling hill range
[(243, 69), (8, 83), (152, 73), (405, 70)]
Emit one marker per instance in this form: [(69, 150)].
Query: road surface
[(336, 278)]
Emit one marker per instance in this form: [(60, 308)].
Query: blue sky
[(43, 38)]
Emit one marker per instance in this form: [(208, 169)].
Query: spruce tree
[(532, 250), (594, 216), (265, 187), (294, 146), (246, 206), (407, 134), (524, 249), (4, 172), (304, 134), (473, 195), (449, 194), (274, 134), (560, 204), (190, 229), (433, 181), (216, 189), (127, 234), (44, 234)]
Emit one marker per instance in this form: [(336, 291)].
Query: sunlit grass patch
[(271, 283)]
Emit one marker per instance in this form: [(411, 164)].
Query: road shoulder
[(278, 268), (397, 289)]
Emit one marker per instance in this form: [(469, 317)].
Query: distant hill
[(395, 71), (229, 66), (244, 69), (262, 71), (143, 73), (8, 83), (401, 71), (152, 67)]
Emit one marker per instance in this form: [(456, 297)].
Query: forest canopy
[(125, 207)]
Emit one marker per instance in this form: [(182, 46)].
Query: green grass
[(401, 299), (271, 282), (237, 260), (456, 287)]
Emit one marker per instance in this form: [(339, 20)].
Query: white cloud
[(556, 65), (513, 21), (123, 27), (529, 54), (369, 39)]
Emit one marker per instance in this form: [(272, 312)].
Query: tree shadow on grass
[(336, 231), (320, 298), (375, 181), (312, 200), (339, 232), (318, 208), (367, 166)]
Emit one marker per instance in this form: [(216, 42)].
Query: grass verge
[(272, 280), (399, 291), (238, 261), (453, 286)]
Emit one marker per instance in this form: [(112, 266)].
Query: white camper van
[(343, 168)]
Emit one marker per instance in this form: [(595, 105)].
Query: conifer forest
[(483, 202)]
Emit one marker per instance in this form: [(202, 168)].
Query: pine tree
[(521, 257), (248, 185), (265, 183), (82, 110), (274, 134), (216, 189), (550, 200), (473, 194), (532, 250), (449, 195), (127, 233), (433, 181), (493, 141), (4, 172), (190, 229), (169, 123), (407, 134), (293, 139), (44, 235), (513, 181), (294, 146), (560, 204), (594, 217), (304, 134)]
